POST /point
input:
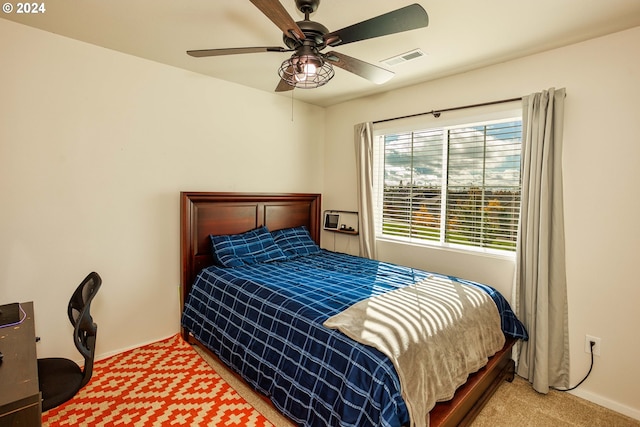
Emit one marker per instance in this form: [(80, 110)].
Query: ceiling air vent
[(403, 57)]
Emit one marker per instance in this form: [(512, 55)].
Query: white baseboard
[(609, 404), (103, 356)]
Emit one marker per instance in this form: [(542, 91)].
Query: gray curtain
[(540, 280), (363, 138)]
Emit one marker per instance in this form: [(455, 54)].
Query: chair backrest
[(84, 329)]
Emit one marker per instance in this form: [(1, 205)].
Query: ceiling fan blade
[(404, 19), (363, 69), (283, 86), (274, 10), (234, 51)]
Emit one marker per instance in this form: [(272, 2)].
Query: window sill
[(466, 250)]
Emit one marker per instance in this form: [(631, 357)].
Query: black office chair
[(60, 379)]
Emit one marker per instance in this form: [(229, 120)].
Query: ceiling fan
[(308, 67)]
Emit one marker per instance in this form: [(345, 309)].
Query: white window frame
[(492, 114)]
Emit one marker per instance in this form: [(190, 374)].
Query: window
[(454, 186)]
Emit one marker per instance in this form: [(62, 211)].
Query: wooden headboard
[(204, 213)]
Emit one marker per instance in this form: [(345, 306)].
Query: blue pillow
[(295, 241), (251, 247)]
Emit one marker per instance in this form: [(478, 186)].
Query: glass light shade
[(306, 71)]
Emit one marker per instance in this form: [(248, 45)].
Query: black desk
[(19, 390)]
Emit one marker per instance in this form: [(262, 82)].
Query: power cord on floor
[(592, 343)]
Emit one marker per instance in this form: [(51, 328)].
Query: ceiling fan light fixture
[(306, 71)]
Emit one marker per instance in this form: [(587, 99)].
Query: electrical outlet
[(587, 345)]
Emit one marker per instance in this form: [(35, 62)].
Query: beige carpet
[(518, 404), (514, 404)]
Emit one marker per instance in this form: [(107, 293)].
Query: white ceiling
[(462, 35)]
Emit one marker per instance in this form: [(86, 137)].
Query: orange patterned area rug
[(162, 384)]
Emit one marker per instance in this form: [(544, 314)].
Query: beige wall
[(95, 147), (601, 152)]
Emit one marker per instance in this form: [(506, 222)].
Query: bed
[(224, 214)]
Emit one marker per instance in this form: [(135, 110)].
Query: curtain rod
[(436, 113)]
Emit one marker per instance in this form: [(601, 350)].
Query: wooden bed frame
[(204, 213)]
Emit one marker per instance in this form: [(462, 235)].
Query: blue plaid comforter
[(265, 322)]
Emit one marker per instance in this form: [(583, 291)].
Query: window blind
[(468, 175)]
